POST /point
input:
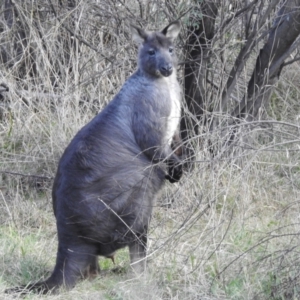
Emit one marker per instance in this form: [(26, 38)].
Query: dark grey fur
[(109, 175)]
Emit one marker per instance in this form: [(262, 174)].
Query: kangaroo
[(110, 173)]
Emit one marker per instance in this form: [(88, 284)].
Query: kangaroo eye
[(151, 52), (171, 50)]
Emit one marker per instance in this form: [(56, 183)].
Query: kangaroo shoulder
[(136, 84)]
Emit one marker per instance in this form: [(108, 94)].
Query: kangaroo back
[(109, 175)]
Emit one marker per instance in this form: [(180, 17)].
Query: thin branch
[(274, 67), (215, 86), (3, 87), (267, 13), (290, 62), (241, 11), (78, 37), (27, 175), (243, 56)]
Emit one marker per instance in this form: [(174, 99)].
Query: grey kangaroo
[(110, 173)]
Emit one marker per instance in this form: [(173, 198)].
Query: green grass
[(227, 233), (214, 256)]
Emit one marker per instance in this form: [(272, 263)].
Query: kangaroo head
[(156, 53)]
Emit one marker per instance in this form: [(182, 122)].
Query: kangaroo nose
[(166, 70)]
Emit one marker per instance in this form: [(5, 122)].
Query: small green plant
[(234, 289)]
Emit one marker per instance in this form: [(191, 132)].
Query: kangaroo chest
[(175, 111)]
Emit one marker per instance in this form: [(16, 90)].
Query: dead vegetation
[(228, 230)]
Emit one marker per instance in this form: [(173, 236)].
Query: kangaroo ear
[(172, 30), (138, 34)]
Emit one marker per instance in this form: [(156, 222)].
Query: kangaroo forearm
[(158, 156)]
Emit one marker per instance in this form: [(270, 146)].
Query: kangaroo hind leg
[(71, 264)]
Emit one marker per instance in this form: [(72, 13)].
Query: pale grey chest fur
[(174, 117)]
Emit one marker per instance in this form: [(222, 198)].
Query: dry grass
[(228, 230)]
